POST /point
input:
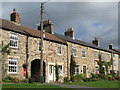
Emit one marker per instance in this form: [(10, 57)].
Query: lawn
[(29, 85), (97, 84)]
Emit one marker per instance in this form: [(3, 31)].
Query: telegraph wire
[(54, 21)]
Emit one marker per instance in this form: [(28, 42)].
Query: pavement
[(68, 86)]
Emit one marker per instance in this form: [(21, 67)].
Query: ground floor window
[(84, 69), (60, 69), (96, 69), (76, 69), (12, 65)]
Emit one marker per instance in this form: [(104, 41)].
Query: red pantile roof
[(9, 25)]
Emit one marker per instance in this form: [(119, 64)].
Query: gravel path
[(68, 86)]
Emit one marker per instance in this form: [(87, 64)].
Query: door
[(35, 70), (51, 72), (84, 69)]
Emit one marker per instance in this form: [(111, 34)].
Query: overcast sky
[(89, 19)]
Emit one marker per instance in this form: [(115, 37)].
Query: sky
[(89, 19)]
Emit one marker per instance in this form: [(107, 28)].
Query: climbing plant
[(4, 51), (72, 66), (57, 72), (102, 63)]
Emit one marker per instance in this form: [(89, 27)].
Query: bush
[(73, 78), (87, 79), (15, 80), (94, 75), (25, 80), (111, 78), (31, 80), (11, 79), (117, 77), (79, 77), (66, 79)]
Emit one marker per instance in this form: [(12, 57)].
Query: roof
[(12, 26), (69, 39)]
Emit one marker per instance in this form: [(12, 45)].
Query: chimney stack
[(70, 32), (111, 46), (96, 42), (48, 26), (15, 17)]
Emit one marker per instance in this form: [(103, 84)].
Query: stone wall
[(50, 54)]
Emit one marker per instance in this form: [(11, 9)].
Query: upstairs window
[(83, 52), (12, 65), (102, 57), (96, 56), (59, 49), (74, 51), (13, 40), (39, 45)]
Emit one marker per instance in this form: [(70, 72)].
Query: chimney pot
[(69, 32), (111, 46), (96, 42), (15, 17), (47, 26)]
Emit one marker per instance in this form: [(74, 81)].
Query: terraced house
[(25, 48)]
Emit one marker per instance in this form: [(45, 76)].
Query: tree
[(101, 64), (4, 51), (72, 66), (57, 72)]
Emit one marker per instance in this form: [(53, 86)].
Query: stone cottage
[(25, 48)]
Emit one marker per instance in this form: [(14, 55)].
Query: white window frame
[(83, 49), (96, 69), (60, 72), (74, 51), (77, 67), (15, 38), (15, 60), (59, 49), (96, 55), (39, 46)]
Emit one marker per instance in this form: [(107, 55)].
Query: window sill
[(12, 72), (59, 54), (13, 47), (84, 57)]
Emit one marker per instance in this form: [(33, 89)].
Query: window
[(60, 69), (114, 62), (107, 57), (74, 51), (96, 55), (102, 57), (76, 69), (83, 52), (59, 49), (12, 65), (96, 69), (39, 45), (84, 69), (13, 40)]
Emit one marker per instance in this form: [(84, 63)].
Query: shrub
[(10, 79), (15, 80), (94, 75), (111, 78), (117, 77), (66, 79), (31, 80), (79, 77), (25, 80), (73, 78), (87, 79)]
